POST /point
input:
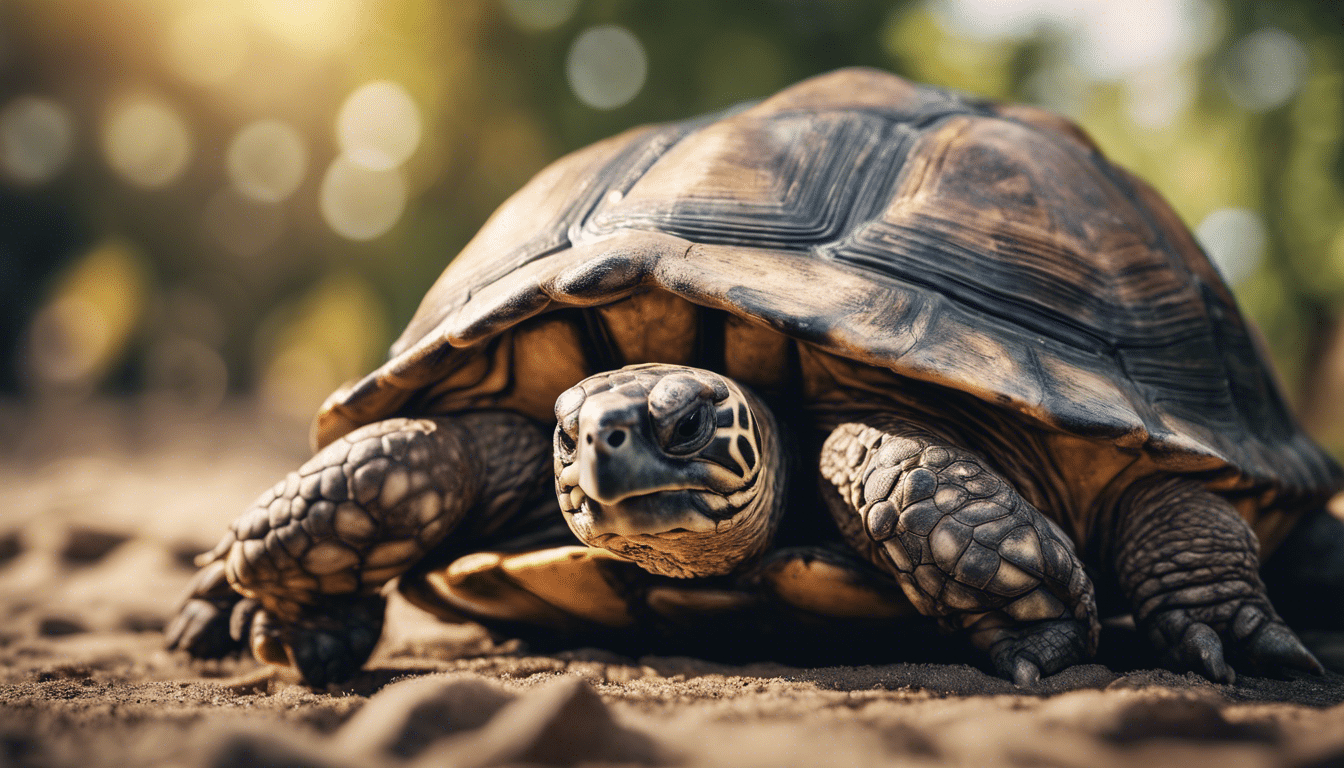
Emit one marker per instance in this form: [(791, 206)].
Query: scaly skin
[(964, 546), (1188, 564), (307, 561)]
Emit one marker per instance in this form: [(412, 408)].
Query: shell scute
[(987, 249)]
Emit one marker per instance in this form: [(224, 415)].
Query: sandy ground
[(97, 525)]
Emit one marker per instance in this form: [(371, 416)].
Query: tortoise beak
[(617, 455)]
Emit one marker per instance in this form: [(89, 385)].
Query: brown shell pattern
[(990, 249)]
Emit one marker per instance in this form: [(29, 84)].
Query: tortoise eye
[(689, 434), (566, 442), (690, 426)]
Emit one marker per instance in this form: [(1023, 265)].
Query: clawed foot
[(1255, 635), (328, 643), (1024, 653), (202, 625)]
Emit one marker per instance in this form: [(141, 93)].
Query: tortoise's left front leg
[(1189, 565), (963, 544)]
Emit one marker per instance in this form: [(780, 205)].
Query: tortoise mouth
[(660, 514)]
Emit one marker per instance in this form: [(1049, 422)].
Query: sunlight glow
[(360, 203), (311, 26), (267, 160), (36, 138), (206, 45), (146, 141), (539, 15), (606, 66), (1235, 240), (378, 126)]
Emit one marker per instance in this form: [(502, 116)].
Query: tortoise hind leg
[(962, 543), (1188, 564), (1305, 575)]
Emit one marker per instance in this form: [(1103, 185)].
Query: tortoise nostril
[(616, 437), (589, 440)]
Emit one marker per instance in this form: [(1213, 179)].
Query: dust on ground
[(103, 507)]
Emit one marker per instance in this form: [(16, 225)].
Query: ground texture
[(101, 509)]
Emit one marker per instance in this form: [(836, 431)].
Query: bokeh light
[(267, 160), (378, 126), (539, 15), (310, 26), (36, 136), (186, 373), (87, 322), (606, 66), (334, 333), (1265, 69), (206, 45), (1106, 41), (146, 141), (361, 203), (243, 226), (1156, 97), (1235, 239), (301, 137)]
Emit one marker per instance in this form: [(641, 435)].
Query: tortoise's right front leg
[(307, 562)]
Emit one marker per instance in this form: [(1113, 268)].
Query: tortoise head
[(678, 469)]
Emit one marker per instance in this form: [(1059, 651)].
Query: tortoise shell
[(983, 249)]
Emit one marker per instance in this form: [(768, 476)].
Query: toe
[(1025, 673), (1275, 649), (201, 628), (240, 619), (1029, 651), (1201, 650)]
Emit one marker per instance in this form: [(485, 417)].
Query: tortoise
[(865, 350)]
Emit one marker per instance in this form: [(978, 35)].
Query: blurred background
[(207, 203)]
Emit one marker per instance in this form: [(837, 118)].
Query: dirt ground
[(102, 507)]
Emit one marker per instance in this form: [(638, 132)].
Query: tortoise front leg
[(307, 562), (964, 546), (1188, 564)]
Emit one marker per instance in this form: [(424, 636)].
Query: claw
[(329, 643), (1200, 649), (201, 628), (1028, 651), (1025, 673), (1275, 649), (240, 619)]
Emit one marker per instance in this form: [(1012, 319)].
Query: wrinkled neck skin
[(676, 501)]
